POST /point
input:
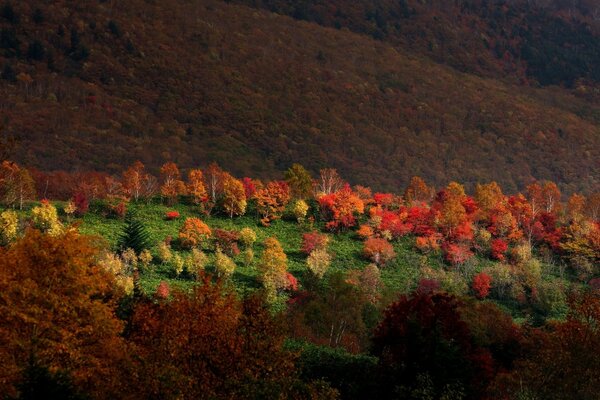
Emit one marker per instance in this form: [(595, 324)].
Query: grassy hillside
[(102, 85)]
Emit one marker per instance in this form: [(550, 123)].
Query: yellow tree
[(489, 196), (273, 267), (234, 196)]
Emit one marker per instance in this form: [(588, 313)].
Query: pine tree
[(134, 235)]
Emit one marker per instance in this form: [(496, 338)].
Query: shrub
[(81, 203), (312, 241), (171, 215), (224, 265), (248, 257), (163, 290), (164, 252), (378, 250), (45, 218), (318, 262), (456, 254), (177, 263), (300, 210), (193, 233), (498, 249), (195, 262), (145, 258), (482, 283), (247, 237), (9, 225), (227, 241)]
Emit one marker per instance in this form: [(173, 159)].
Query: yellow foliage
[(9, 226), (318, 262), (45, 218), (224, 265)]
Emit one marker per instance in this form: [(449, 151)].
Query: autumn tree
[(423, 344), (340, 209), (234, 196), (213, 181), (299, 181), (329, 181), (273, 267), (16, 184), (133, 181), (271, 201), (188, 345), (561, 360), (488, 196), (193, 233), (57, 311), (195, 186), (171, 183), (9, 227), (45, 218), (418, 191), (379, 251)]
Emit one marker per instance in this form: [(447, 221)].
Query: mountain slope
[(99, 86)]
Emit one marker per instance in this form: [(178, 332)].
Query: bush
[(193, 233), (45, 218), (247, 237), (378, 250), (318, 262), (9, 226), (171, 215), (312, 241), (224, 265), (482, 283)]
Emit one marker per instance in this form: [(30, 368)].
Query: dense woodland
[(100, 85), (143, 286)]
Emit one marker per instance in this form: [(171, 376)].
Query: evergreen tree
[(134, 235)]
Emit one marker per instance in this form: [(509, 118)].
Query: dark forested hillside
[(545, 42), (101, 84)]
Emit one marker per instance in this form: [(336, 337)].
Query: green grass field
[(401, 275)]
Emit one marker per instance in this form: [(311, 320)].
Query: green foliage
[(134, 235)]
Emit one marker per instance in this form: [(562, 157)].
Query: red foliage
[(227, 241), (292, 282), (594, 284), (312, 241), (393, 222), (498, 249), (163, 290), (456, 254), (81, 203), (383, 199), (482, 283), (339, 208), (249, 187), (545, 230), (427, 286), (422, 220), (171, 215)]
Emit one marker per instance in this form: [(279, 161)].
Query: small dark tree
[(134, 235)]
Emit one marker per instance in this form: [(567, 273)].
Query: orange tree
[(57, 311)]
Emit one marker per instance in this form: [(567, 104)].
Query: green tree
[(299, 180)]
